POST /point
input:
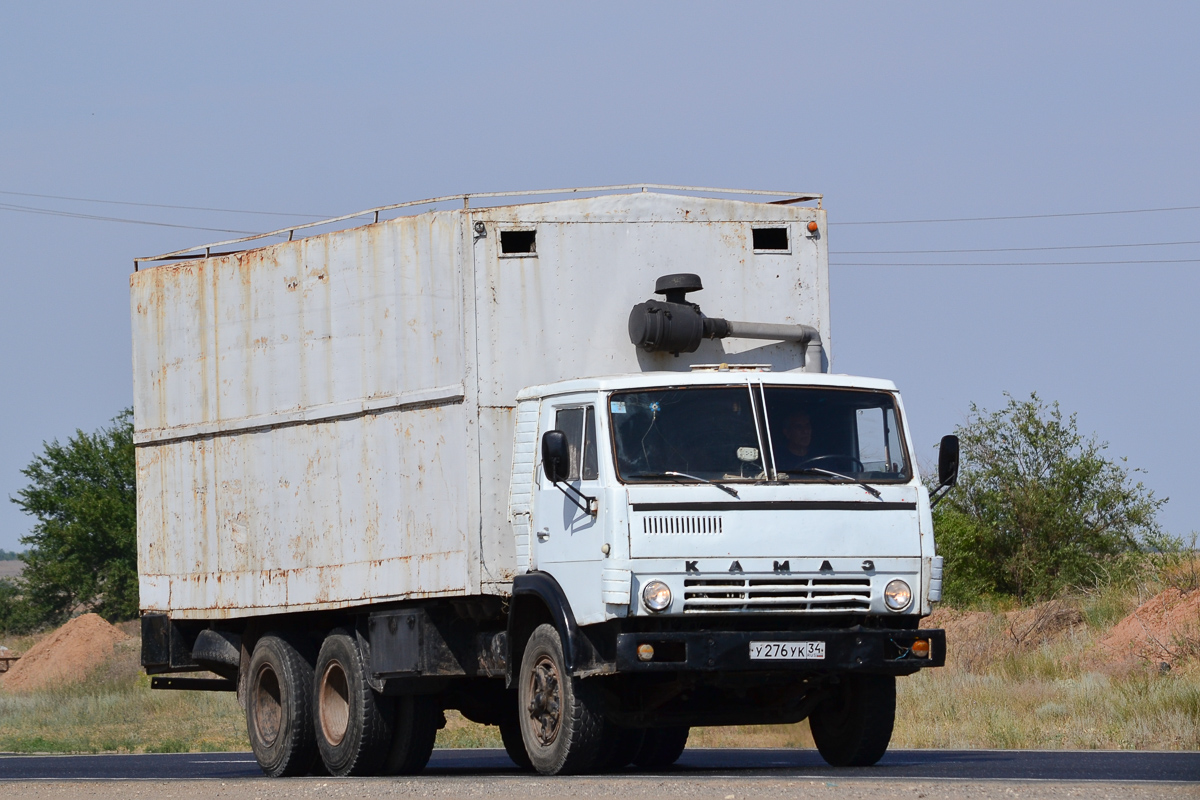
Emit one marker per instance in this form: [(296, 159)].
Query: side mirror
[(948, 461), (556, 456)]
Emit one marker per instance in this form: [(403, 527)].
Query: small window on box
[(770, 239), (518, 243)]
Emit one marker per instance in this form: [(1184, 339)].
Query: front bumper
[(857, 649)]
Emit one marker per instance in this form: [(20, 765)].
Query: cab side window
[(579, 424), (591, 470)]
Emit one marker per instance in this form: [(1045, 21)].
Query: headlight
[(656, 595), (897, 595)]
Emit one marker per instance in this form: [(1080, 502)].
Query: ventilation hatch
[(518, 243), (770, 239)]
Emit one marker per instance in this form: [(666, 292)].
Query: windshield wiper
[(727, 489), (819, 471)]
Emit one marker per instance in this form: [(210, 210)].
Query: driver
[(797, 435)]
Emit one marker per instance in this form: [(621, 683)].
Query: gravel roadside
[(527, 788)]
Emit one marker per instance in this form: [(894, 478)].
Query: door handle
[(543, 535)]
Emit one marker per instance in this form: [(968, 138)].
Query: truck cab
[(749, 546)]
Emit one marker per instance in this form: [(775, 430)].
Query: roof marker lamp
[(656, 595), (897, 596)]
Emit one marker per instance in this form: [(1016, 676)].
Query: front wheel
[(562, 722), (662, 747), (510, 734), (853, 725)]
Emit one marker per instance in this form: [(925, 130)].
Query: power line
[(1020, 216), (1009, 263), (76, 215), (1004, 249), (162, 205)]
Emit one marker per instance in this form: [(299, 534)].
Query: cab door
[(567, 538)]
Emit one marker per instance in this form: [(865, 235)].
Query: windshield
[(752, 433)]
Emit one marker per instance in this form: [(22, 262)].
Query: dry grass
[(1027, 678), (1035, 679), (114, 711)]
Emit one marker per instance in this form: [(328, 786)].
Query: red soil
[(65, 656), (1164, 629)]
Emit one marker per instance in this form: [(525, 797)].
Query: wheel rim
[(545, 700), (268, 705), (334, 703)]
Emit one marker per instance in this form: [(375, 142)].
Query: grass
[(114, 711), (1049, 690)]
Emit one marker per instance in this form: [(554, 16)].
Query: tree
[(83, 548), (1038, 508)]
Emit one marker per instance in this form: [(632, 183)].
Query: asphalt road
[(973, 765)]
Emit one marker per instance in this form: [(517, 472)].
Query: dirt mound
[(1163, 630), (65, 656)]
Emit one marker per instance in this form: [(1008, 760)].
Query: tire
[(852, 727), (623, 745), (417, 718), (510, 734), (562, 724), (354, 725), (279, 718), (662, 747)]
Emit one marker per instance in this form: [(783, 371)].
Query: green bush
[(1039, 508), (83, 547)]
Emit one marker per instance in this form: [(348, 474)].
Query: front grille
[(683, 524), (775, 594)]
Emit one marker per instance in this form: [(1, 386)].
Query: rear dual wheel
[(309, 713), (279, 718), (359, 731), (354, 724)]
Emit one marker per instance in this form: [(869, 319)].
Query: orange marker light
[(812, 226), (645, 652), (920, 648)]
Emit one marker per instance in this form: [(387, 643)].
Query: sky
[(897, 113)]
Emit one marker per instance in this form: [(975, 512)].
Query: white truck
[(459, 459)]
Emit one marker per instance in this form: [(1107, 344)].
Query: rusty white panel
[(308, 516), (349, 321), (330, 421), (566, 309), (496, 546)]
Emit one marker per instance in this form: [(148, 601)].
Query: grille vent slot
[(728, 594), (683, 524)]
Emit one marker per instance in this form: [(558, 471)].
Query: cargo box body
[(329, 422)]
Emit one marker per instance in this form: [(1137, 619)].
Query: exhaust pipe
[(677, 326)]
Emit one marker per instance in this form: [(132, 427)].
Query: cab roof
[(730, 377)]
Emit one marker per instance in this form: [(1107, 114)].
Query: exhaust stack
[(675, 325)]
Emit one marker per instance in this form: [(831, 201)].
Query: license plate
[(787, 651)]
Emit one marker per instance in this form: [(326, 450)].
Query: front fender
[(536, 598)]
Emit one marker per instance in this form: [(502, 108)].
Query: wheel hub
[(268, 705), (334, 703), (545, 700)]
